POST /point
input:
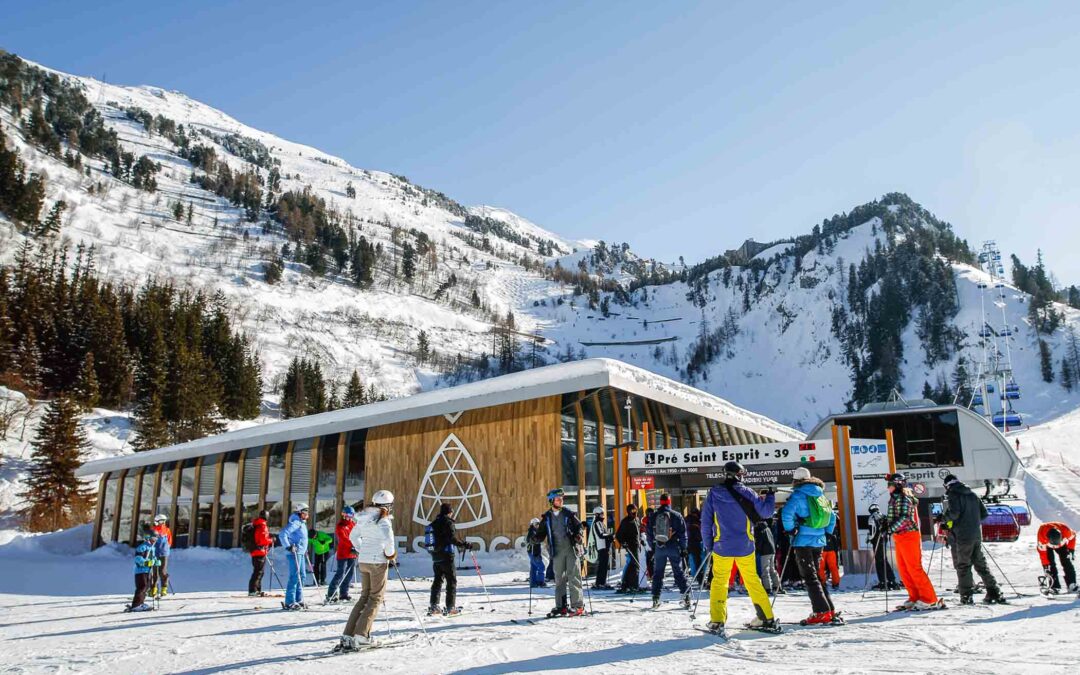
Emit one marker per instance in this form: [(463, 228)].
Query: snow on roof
[(552, 380)]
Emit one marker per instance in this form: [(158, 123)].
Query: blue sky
[(682, 128)]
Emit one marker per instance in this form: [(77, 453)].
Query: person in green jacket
[(320, 545)]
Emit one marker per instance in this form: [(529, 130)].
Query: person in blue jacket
[(145, 561), (159, 577), (294, 537), (667, 538), (808, 542)]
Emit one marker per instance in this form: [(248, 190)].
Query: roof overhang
[(554, 380)]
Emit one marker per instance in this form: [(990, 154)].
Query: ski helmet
[(264, 514), (534, 521), (874, 508), (148, 532), (552, 494), (383, 498), (800, 473), (734, 470), (1053, 537), (598, 511), (300, 507), (897, 479), (160, 519), (348, 512)]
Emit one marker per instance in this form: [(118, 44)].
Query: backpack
[(662, 526), (247, 538), (429, 538), (820, 509)]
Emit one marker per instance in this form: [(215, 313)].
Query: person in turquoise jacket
[(808, 542), (145, 561), (294, 537)]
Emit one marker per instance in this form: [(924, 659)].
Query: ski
[(523, 622), (256, 597), (386, 643)]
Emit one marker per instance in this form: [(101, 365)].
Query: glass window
[(227, 500), (275, 484), (300, 473), (108, 508), (127, 501), (182, 531), (165, 493), (922, 440), (207, 488), (252, 482), (569, 453), (354, 467), (592, 454), (146, 497), (326, 481)]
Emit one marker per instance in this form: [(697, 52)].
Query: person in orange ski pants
[(902, 522), (829, 567)]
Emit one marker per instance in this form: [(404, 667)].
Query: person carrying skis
[(765, 550), (338, 589), (902, 523), (443, 536), (695, 550), (321, 545), (563, 532), (962, 513), (376, 548), (727, 524), (876, 538), (667, 538), (257, 541), (1055, 537), (602, 538), (144, 563), (536, 557), (294, 537), (807, 517), (829, 567), (159, 576), (629, 537)]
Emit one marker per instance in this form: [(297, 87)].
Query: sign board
[(766, 463), (869, 461), (642, 482)]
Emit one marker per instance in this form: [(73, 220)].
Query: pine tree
[(293, 398), (333, 402), (1067, 378), (408, 261), (423, 348), (51, 226), (354, 392), (86, 391), (151, 429), (475, 299), (27, 361), (56, 499), (350, 191), (961, 382), (1046, 363)]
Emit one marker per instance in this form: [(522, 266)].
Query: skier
[(563, 532), (1057, 537), (144, 563), (807, 517), (159, 576), (338, 589), (443, 538), (376, 548), (962, 513), (536, 557), (602, 538), (667, 538), (694, 549), (258, 543), (321, 545), (727, 520), (765, 550), (876, 538), (294, 537), (629, 537), (829, 567), (902, 523)]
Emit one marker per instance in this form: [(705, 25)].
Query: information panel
[(766, 463)]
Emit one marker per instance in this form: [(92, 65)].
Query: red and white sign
[(919, 489), (642, 482)]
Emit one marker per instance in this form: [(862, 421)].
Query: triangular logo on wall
[(453, 417), (452, 478)]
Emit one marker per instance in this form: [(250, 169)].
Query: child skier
[(1057, 537), (159, 578), (144, 563), (536, 558), (321, 545)]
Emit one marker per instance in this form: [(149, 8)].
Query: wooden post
[(601, 452), (580, 459)]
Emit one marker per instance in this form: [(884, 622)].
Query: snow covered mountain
[(766, 331)]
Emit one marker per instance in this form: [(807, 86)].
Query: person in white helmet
[(601, 538), (373, 538), (294, 537), (533, 544)]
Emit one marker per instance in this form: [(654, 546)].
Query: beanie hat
[(950, 479), (801, 473), (445, 510), (665, 500)]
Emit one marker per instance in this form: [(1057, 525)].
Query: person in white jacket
[(373, 538)]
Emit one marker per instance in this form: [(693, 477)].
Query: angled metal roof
[(551, 380)]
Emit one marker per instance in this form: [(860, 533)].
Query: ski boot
[(837, 620), (716, 628), (921, 606), (993, 597), (434, 610), (452, 611), (347, 644), (969, 599), (817, 619), (907, 606), (765, 625), (655, 603), (685, 601), (577, 611), (142, 608), (152, 593), (557, 612)]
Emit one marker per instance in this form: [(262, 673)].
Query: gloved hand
[(291, 548), (474, 546), (770, 490)]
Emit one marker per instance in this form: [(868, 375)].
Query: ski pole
[(783, 569), (386, 615), (637, 576), (530, 591), (698, 587), (888, 544), (409, 597), (482, 584), (588, 588), (873, 563), (1003, 576), (311, 568)]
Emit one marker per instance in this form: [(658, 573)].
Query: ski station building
[(491, 449)]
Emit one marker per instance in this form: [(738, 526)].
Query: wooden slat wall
[(516, 449)]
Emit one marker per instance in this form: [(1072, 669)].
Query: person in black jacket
[(765, 550), (666, 533), (629, 537), (876, 539), (601, 538), (695, 550), (962, 513), (533, 545), (442, 561)]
